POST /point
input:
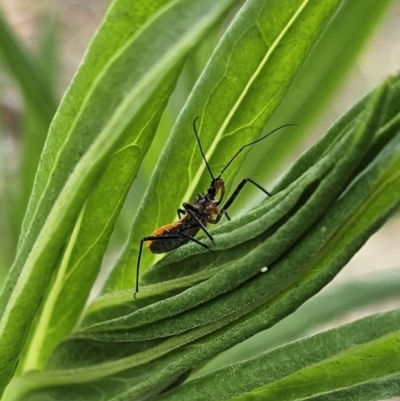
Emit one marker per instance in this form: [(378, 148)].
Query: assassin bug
[(198, 213)]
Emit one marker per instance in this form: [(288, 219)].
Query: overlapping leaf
[(195, 305), (244, 82), (351, 362), (327, 307), (109, 92), (365, 182)]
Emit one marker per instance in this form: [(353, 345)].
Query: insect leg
[(138, 263), (231, 199), (151, 238), (219, 216), (180, 212), (194, 240), (195, 213), (163, 238)]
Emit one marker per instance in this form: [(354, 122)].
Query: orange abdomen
[(166, 244)]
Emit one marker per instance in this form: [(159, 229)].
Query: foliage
[(194, 305)]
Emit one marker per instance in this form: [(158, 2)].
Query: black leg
[(180, 212), (199, 214), (194, 240), (229, 202), (194, 213), (163, 238), (138, 263), (219, 216)]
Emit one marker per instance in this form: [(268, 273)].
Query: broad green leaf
[(342, 363), (110, 89), (335, 53), (328, 64), (113, 364), (244, 82)]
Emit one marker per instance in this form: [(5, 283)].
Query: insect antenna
[(201, 149), (252, 143)]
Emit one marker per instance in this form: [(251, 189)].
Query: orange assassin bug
[(198, 213)]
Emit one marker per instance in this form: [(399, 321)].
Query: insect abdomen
[(169, 244)]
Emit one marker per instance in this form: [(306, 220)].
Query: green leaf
[(355, 361), (333, 55), (328, 64), (244, 82), (110, 90), (332, 304)]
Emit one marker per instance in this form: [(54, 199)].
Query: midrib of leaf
[(194, 182)]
